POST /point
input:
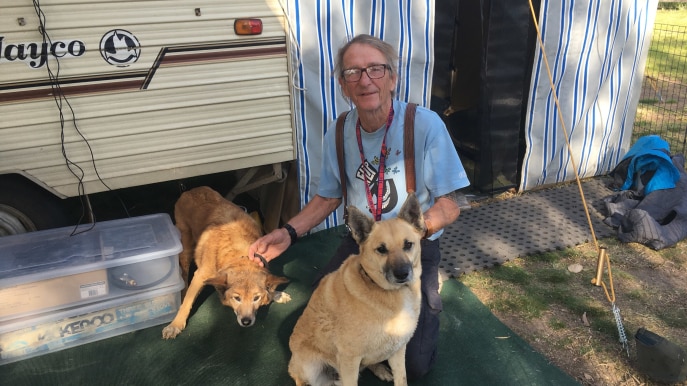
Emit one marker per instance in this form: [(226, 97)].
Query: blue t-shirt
[(438, 170)]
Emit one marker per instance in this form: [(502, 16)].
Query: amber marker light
[(248, 26)]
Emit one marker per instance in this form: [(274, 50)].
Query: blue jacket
[(651, 153)]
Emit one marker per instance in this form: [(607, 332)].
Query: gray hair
[(385, 48)]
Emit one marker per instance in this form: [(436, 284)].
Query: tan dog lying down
[(365, 312), (216, 234)]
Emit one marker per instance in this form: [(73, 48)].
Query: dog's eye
[(407, 245), (237, 298), (256, 298), (382, 249)]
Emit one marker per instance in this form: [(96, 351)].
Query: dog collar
[(365, 275), (262, 259)]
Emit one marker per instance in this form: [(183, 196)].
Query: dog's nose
[(246, 322), (402, 274)]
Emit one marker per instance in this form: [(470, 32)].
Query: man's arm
[(445, 210), (276, 242)]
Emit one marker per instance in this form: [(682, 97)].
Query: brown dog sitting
[(216, 234), (365, 312)]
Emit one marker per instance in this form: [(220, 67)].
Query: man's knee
[(421, 350), (417, 366)]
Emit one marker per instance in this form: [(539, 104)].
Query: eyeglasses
[(375, 71)]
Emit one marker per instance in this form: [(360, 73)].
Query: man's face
[(367, 94)]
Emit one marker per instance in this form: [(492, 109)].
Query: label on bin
[(93, 290), (54, 335)]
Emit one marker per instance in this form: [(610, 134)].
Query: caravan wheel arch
[(25, 207)]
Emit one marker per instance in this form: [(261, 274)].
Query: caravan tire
[(25, 207)]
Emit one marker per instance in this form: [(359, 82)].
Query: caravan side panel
[(140, 92)]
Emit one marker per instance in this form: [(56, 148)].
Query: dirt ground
[(650, 290)]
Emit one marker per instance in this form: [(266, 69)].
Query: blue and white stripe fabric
[(319, 28), (596, 50)]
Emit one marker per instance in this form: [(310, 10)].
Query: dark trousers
[(421, 351)]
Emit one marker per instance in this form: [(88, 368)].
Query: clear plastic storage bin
[(53, 270)]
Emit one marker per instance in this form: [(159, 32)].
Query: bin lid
[(51, 253)]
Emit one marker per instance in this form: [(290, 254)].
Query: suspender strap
[(409, 146), (408, 152), (340, 156)]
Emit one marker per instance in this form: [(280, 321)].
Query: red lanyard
[(376, 211)]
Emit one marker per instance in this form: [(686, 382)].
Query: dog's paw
[(170, 332), (382, 371), (281, 297)]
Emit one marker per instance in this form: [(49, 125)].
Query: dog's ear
[(272, 282), (411, 212), (219, 281), (359, 223), (273, 295)]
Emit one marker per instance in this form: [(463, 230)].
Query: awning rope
[(603, 257)]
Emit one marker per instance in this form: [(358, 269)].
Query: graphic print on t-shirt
[(368, 172)]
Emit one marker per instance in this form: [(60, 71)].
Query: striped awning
[(596, 51)]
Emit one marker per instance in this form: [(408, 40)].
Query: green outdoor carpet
[(475, 348)]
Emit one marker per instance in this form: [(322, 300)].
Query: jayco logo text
[(35, 55)]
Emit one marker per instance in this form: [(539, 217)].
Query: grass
[(667, 54), (672, 16), (662, 108)]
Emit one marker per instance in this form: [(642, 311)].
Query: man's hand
[(269, 246), (276, 242)]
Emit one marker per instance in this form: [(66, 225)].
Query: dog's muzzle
[(246, 322), (400, 274)]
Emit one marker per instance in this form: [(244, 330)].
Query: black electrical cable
[(60, 99)]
